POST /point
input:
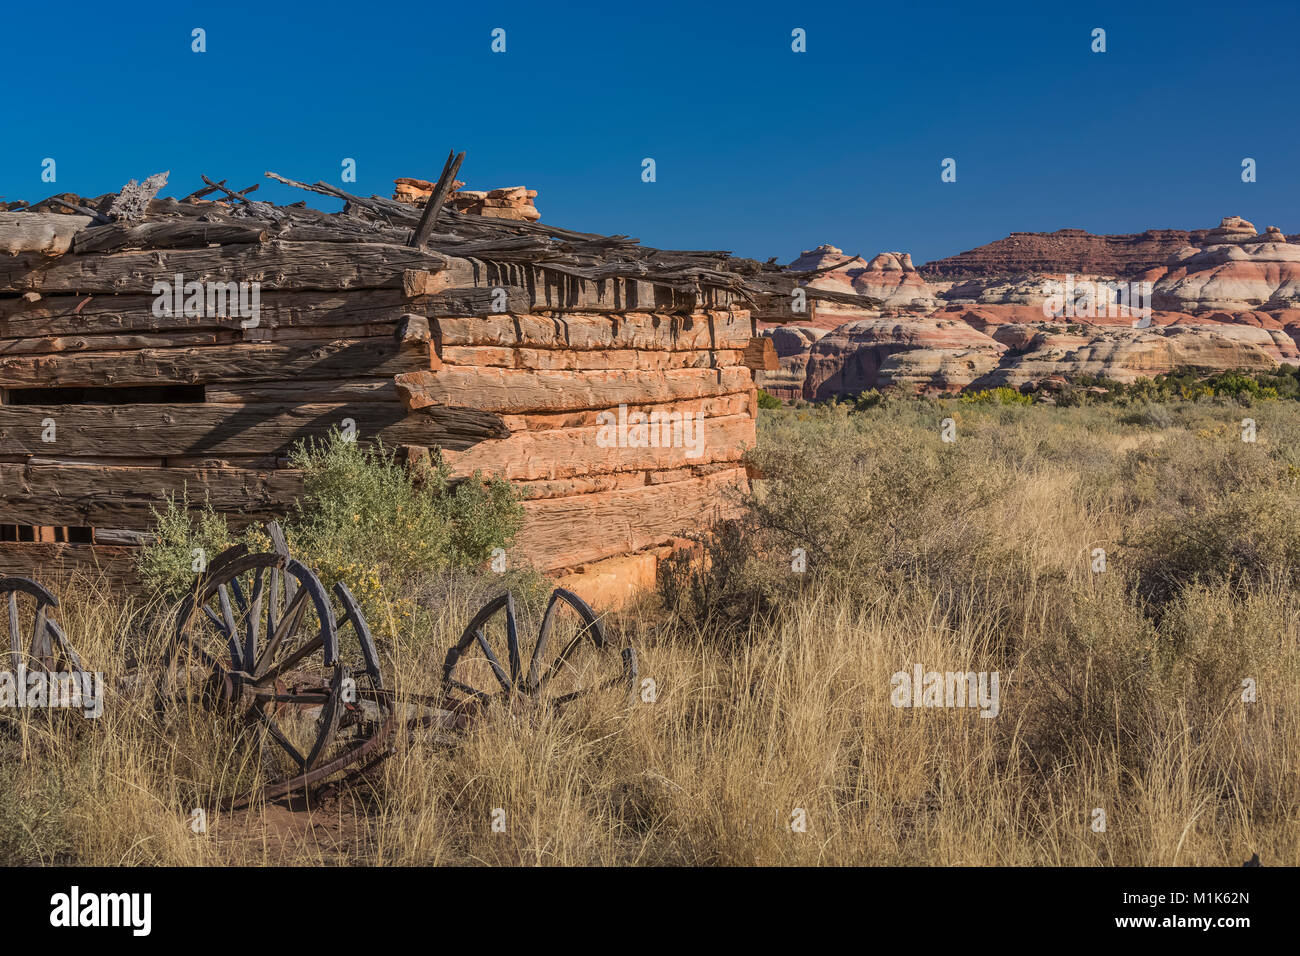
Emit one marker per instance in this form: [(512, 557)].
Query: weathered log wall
[(108, 404)]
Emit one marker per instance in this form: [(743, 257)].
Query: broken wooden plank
[(434, 203), (133, 200)]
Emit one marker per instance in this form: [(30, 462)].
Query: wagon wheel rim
[(36, 641), (259, 641), (569, 629), (573, 656)]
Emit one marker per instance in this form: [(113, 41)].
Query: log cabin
[(499, 342)]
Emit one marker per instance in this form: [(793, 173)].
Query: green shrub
[(186, 537), (1001, 395), (766, 400), (362, 512), (872, 398), (1244, 539)]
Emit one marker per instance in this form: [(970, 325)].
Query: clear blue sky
[(758, 149)]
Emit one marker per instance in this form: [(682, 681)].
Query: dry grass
[(1119, 690)]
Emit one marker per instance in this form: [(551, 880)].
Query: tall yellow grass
[(1108, 702)]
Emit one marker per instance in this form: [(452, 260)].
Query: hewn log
[(520, 390), (532, 288), (760, 355), (45, 233), (86, 315), (215, 430), (165, 235), (101, 343), (628, 331), (118, 497), (328, 266), (739, 403), (473, 302), (566, 487), (564, 532), (672, 440), (219, 363), (57, 564), (592, 360), (310, 393)]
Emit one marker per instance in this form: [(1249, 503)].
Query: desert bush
[(1244, 539), (363, 511), (767, 400), (1001, 395), (872, 398), (1150, 415), (186, 536)]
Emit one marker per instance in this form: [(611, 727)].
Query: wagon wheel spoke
[(232, 646), (329, 721), (497, 670), (288, 626), (619, 681), (559, 661), (238, 592), (42, 649), (273, 605), (253, 620), (60, 641), (512, 638), (474, 692), (273, 730), (15, 641), (291, 661), (228, 625)]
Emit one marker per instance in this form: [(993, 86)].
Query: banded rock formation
[(890, 277), (1236, 269), (1221, 298)]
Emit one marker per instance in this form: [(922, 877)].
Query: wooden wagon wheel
[(36, 642), (570, 658), (257, 642)]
